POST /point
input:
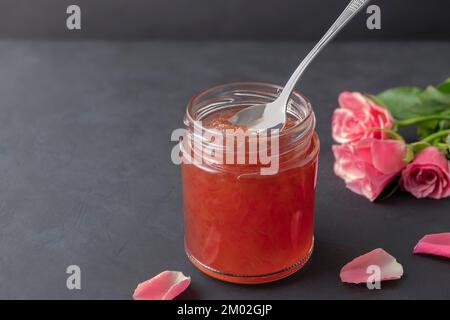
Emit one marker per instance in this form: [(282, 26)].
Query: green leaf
[(444, 147), (426, 128), (444, 124), (447, 141), (433, 96), (410, 102), (409, 154), (418, 146), (444, 87), (402, 102)]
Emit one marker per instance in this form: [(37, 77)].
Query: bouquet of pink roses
[(373, 155)]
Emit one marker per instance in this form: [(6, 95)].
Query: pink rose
[(428, 175), (356, 115), (369, 165)]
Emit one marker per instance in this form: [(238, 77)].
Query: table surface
[(86, 177)]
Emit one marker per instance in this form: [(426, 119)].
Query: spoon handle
[(349, 12)]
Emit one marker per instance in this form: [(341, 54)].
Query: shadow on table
[(324, 265)]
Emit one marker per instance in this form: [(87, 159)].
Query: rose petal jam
[(241, 225)]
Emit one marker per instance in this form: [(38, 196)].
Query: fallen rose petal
[(435, 244), (356, 270), (165, 286)]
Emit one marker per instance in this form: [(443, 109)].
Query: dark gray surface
[(86, 176), (214, 19)]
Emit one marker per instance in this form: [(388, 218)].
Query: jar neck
[(241, 149)]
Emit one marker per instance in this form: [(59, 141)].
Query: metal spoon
[(273, 115)]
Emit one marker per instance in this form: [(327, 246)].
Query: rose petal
[(345, 167), (355, 102), (433, 156), (428, 176), (356, 270), (388, 155), (435, 244), (345, 128), (355, 115), (165, 286)]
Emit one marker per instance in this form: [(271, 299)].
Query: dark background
[(85, 170), (220, 19)]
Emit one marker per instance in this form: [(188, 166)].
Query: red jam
[(244, 227)]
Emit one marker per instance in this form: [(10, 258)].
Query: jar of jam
[(243, 225)]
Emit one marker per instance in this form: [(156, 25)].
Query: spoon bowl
[(273, 115), (260, 117)]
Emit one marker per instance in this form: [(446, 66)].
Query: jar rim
[(305, 101)]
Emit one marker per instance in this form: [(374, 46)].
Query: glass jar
[(243, 226)]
